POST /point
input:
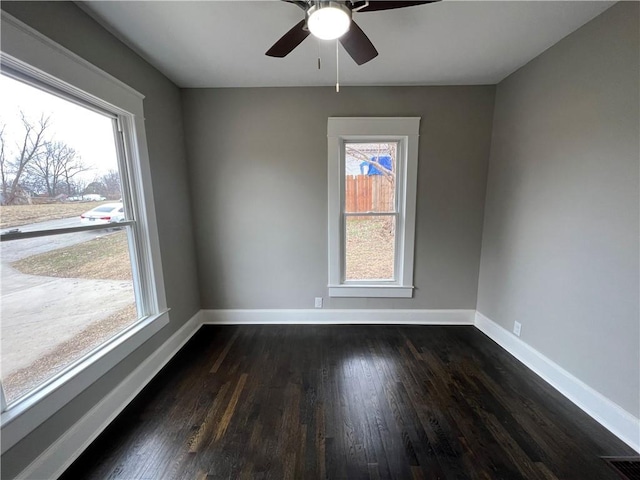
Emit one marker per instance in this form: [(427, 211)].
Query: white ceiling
[(222, 43)]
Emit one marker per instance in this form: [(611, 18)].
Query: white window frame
[(30, 55), (405, 131)]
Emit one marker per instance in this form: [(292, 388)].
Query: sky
[(88, 132)]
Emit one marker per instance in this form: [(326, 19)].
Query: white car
[(104, 214)]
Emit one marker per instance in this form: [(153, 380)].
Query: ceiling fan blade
[(358, 45), (289, 41), (376, 6)]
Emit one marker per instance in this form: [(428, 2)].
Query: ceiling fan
[(329, 20)]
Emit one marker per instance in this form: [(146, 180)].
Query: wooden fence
[(373, 193)]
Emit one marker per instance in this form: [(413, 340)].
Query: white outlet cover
[(318, 303), (516, 328)]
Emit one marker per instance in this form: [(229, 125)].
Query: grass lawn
[(370, 248), (103, 258), (16, 215)]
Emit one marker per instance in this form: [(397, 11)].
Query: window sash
[(397, 213), (141, 315), (397, 172), (371, 214), (9, 236), (10, 69)]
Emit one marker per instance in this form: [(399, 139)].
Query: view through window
[(61, 294), (370, 210)]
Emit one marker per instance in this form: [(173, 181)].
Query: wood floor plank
[(348, 402), (231, 406), (207, 425), (320, 442), (224, 353)]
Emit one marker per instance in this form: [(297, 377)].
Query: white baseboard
[(59, 456), (609, 414), (334, 317)]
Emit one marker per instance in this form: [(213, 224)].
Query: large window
[(62, 295), (372, 191), (79, 262)]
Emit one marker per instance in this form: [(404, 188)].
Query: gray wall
[(560, 242), (69, 26), (258, 164)]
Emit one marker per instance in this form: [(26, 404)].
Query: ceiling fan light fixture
[(329, 21)]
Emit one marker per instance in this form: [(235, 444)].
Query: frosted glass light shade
[(329, 23)]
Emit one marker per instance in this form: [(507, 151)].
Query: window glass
[(57, 156), (370, 177), (370, 187), (370, 247), (62, 296)]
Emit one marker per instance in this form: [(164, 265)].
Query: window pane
[(59, 161), (370, 247), (62, 296), (370, 177)]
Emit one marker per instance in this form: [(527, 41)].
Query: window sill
[(379, 291)]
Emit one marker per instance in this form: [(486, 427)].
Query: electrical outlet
[(318, 302), (516, 328)]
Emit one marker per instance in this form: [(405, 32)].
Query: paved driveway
[(39, 313)]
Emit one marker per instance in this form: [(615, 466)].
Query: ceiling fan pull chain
[(337, 68), (318, 43)]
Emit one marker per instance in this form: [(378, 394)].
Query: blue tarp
[(383, 160)]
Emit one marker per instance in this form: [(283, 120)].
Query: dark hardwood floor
[(352, 402)]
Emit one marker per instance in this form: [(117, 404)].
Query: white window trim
[(405, 130), (26, 51)]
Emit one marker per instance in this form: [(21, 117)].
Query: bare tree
[(373, 160), (70, 170), (3, 165), (28, 149), (96, 187), (111, 181), (55, 167)]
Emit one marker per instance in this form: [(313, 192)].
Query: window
[(373, 166), (82, 282)]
